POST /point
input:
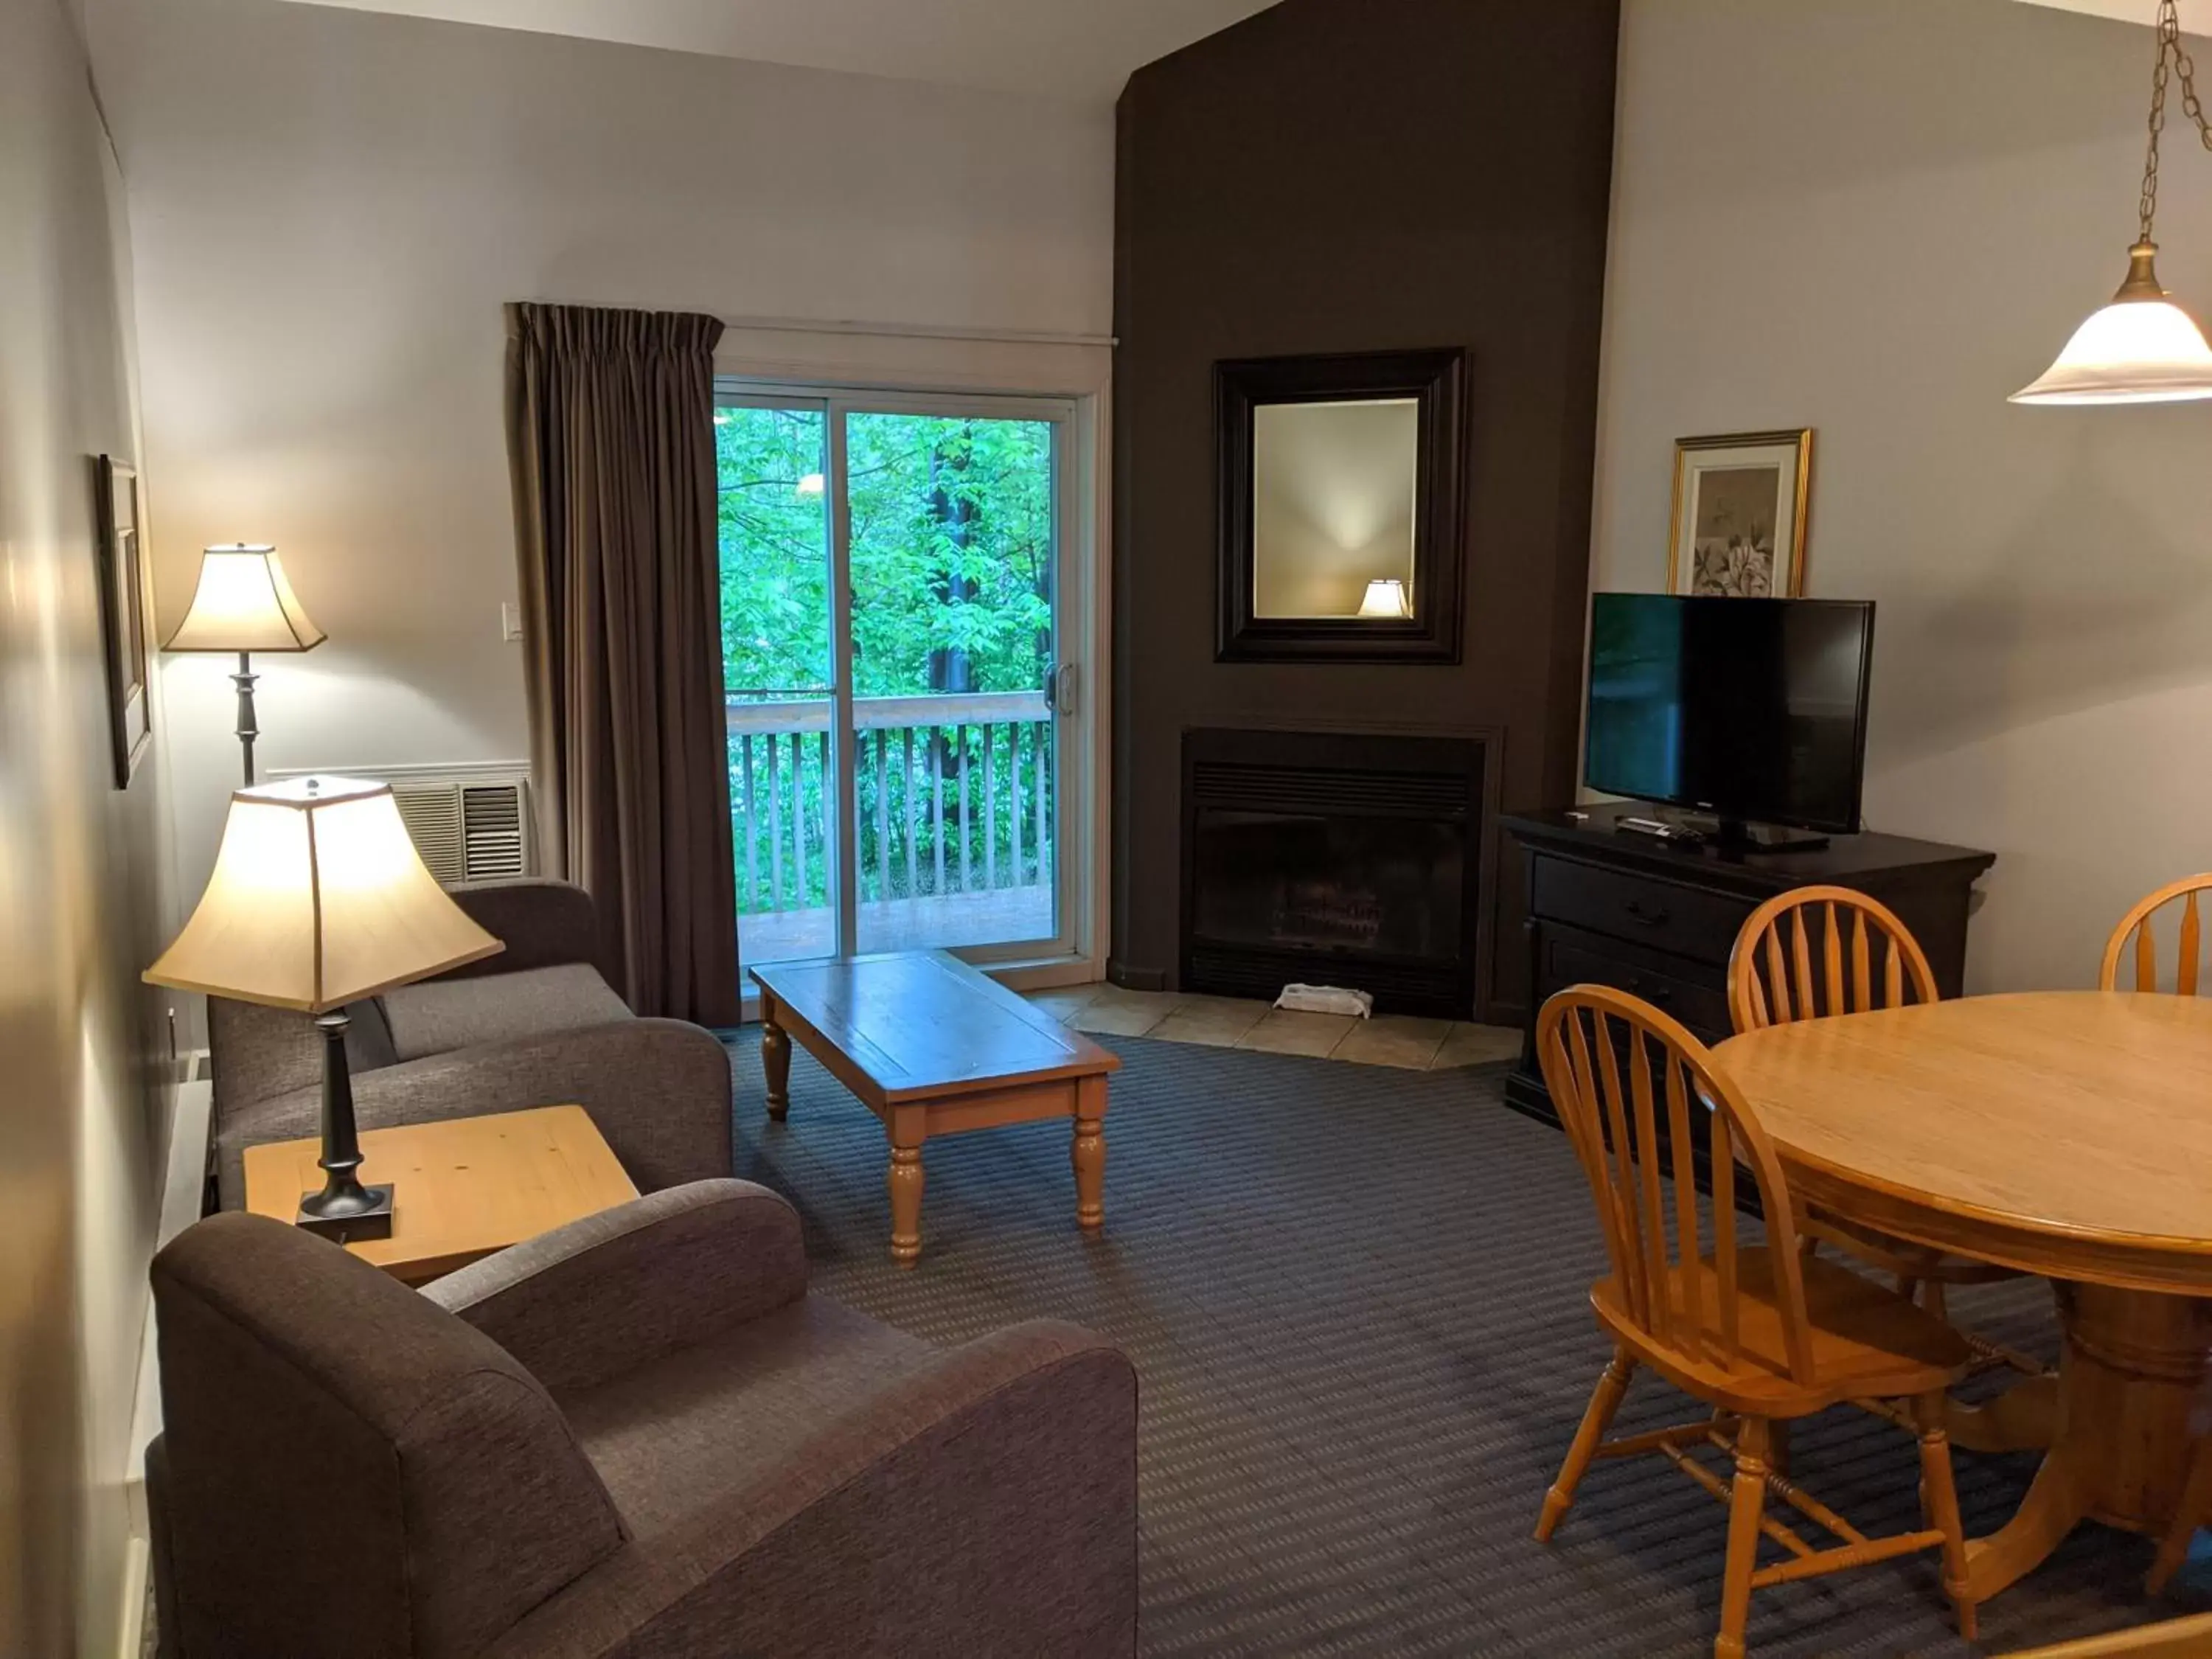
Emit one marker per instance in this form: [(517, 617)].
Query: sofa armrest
[(543, 923), (986, 1505), (631, 1284)]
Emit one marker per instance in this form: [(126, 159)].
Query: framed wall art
[(122, 617), (1738, 528)]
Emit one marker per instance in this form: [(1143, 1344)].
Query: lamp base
[(347, 1217)]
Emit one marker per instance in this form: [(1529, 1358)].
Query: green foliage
[(951, 552), (952, 561)]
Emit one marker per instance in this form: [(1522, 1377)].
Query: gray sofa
[(535, 1025), (635, 1437)]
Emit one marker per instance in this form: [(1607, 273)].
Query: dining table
[(2067, 1135)]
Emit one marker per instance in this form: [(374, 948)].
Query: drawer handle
[(1638, 914), (1659, 995)]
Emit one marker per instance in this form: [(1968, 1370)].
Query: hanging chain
[(2171, 52)]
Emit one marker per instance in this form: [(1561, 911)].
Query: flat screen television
[(1753, 710)]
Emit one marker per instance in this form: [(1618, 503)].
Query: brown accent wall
[(1348, 175)]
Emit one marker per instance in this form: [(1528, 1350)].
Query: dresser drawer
[(1642, 909), (1692, 995)]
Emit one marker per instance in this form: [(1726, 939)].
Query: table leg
[(2133, 1364), (908, 1129), (2024, 1418), (1088, 1153), (775, 1060)]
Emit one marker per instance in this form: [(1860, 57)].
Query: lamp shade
[(1385, 597), (318, 898), (243, 603), (2141, 348)]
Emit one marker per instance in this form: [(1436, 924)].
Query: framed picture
[(1738, 529), (122, 617)]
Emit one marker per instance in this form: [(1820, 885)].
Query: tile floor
[(1415, 1045)]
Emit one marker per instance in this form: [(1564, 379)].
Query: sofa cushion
[(439, 1016)]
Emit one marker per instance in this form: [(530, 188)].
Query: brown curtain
[(611, 441)]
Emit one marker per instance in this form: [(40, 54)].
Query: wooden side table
[(467, 1187)]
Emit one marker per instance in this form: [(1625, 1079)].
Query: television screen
[(1751, 709)]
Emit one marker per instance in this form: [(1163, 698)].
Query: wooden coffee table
[(933, 1048), (467, 1186)]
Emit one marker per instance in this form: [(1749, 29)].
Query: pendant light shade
[(2141, 348)]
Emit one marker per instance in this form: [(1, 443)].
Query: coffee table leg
[(909, 1130), (775, 1060), (1088, 1153)]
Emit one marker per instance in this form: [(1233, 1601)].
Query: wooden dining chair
[(1820, 951), (2136, 924), (1760, 1332)]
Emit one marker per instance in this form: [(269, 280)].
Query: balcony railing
[(956, 799)]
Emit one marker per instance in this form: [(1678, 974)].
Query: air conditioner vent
[(470, 822)]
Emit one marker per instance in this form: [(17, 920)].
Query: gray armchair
[(638, 1435), (536, 1025)]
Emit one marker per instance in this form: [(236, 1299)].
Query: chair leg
[(1605, 1400), (1932, 1298), (1939, 1493), (1747, 1502), (2194, 1510)]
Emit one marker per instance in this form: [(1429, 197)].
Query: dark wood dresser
[(1609, 907)]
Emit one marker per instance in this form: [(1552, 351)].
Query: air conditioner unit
[(470, 821)]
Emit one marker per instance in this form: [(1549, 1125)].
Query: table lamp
[(318, 899), (1385, 597), (243, 604)]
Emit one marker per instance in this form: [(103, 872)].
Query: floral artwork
[(1739, 521)]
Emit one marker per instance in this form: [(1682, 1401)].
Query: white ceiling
[(2196, 14), (1082, 49)]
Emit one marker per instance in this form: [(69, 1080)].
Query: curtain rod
[(921, 330)]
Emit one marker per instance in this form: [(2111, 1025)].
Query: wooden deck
[(984, 918)]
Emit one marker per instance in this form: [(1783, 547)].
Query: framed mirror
[(1340, 494)]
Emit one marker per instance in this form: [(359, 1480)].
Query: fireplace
[(1334, 859)]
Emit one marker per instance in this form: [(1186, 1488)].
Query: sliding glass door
[(897, 653)]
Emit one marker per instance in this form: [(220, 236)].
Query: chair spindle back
[(1867, 958), (2137, 922), (1588, 1039)]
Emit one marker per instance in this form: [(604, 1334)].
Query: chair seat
[(1867, 1341), (675, 1436)]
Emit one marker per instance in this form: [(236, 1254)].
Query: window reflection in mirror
[(1333, 508)]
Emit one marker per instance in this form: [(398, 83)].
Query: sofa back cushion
[(261, 1053), (440, 1015), (346, 1459)]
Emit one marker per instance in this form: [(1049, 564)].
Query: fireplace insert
[(1332, 858)]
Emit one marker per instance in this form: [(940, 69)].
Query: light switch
[(510, 620)]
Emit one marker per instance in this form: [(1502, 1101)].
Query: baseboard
[(1130, 977)]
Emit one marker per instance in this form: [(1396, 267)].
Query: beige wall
[(1877, 218), (331, 206), (82, 899)]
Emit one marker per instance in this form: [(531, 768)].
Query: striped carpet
[(1355, 1297)]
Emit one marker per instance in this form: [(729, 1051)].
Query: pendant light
[(2142, 348)]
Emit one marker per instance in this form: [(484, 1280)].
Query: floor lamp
[(243, 604), (319, 899)]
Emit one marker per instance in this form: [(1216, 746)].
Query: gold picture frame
[(1741, 502)]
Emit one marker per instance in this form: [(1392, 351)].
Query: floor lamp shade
[(318, 898), (243, 603)]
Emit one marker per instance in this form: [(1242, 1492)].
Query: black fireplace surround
[(1332, 858)]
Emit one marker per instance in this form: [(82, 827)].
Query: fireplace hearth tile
[(1064, 1002), (1285, 1031), (1119, 1012), (1393, 1040), (1477, 1045), (1216, 1022)]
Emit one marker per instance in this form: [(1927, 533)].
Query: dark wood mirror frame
[(1436, 380)]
